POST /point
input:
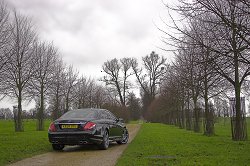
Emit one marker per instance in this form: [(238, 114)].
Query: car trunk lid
[(70, 125)]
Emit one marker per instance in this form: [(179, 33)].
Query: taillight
[(89, 126), (52, 127)]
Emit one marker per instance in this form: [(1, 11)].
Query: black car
[(87, 126)]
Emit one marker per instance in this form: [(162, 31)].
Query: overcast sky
[(90, 32)]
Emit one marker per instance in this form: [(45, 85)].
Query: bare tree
[(149, 76), (56, 90), (126, 66), (69, 83), (20, 67), (5, 30), (134, 107), (83, 92), (117, 74), (5, 113), (99, 96), (46, 56), (170, 99)]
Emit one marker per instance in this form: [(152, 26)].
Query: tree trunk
[(67, 103), (239, 132), (124, 89), (56, 108), (40, 115), (188, 115), (196, 116), (19, 126), (120, 93), (196, 120), (182, 116), (209, 123)]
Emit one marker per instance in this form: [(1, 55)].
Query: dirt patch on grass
[(87, 155)]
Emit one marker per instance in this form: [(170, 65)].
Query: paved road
[(86, 155)]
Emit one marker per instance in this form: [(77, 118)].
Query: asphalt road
[(87, 155)]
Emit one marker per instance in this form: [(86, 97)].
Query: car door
[(116, 129), (106, 122)]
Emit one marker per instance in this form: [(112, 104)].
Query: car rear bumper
[(74, 138)]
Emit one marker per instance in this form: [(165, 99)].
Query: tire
[(125, 137), (105, 141), (57, 147)]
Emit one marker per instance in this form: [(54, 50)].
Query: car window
[(110, 115), (80, 114), (99, 115), (103, 115)]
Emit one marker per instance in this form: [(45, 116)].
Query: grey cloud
[(88, 32)]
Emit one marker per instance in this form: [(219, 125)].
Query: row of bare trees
[(32, 70), (28, 64), (211, 42)]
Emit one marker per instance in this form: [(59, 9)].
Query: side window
[(104, 115), (110, 115), (99, 115)]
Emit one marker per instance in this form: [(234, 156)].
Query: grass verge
[(15, 146), (159, 144)]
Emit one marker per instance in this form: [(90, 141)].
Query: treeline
[(211, 65), (125, 75)]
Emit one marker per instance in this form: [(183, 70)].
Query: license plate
[(69, 126)]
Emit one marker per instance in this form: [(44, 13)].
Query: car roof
[(90, 109)]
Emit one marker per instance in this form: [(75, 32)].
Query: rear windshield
[(78, 114)]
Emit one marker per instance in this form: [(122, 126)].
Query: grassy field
[(159, 144), (155, 144), (18, 145)]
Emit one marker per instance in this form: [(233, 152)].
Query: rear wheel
[(125, 137), (57, 147), (105, 141)]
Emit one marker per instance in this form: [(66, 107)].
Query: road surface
[(87, 155)]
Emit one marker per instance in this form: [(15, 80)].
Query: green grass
[(155, 144), (159, 144), (135, 122), (15, 146)]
